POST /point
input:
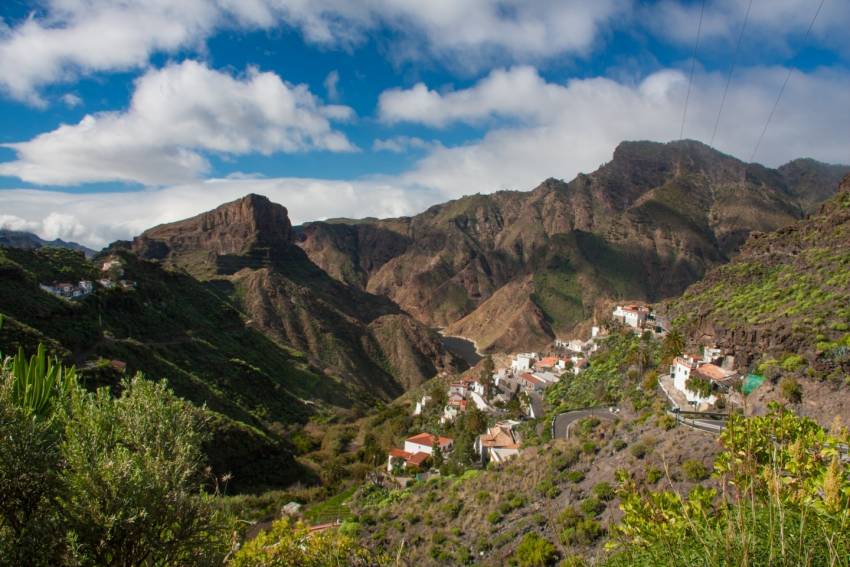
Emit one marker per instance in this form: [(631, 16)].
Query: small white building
[(420, 405), (523, 361), (632, 315)]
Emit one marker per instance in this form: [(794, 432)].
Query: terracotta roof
[(498, 437), (713, 372), (428, 440), (531, 379), (547, 362), (400, 453), (418, 458)]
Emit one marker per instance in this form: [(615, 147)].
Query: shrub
[(695, 470), (592, 506), (494, 517), (639, 450), (588, 447), (286, 544), (535, 551), (791, 389), (604, 491), (584, 531), (575, 476), (653, 475), (619, 444)]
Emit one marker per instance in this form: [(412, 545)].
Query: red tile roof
[(531, 379), (429, 440), (418, 458), (400, 453)]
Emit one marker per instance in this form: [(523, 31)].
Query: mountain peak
[(248, 232)]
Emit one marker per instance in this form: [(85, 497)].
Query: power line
[(784, 84), (731, 70), (693, 68)]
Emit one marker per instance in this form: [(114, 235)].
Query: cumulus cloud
[(71, 100), (176, 114), (560, 130), (770, 24), (100, 218), (332, 84), (552, 130), (401, 144), (69, 38)]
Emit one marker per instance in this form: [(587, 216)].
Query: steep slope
[(812, 182), (246, 249), (644, 226), (30, 241), (784, 302)]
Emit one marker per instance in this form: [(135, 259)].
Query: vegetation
[(97, 479), (285, 545), (784, 501), (535, 551)]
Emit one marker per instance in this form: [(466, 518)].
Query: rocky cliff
[(246, 249), (643, 226)]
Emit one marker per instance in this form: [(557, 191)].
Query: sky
[(119, 115)]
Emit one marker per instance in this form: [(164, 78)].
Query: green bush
[(695, 470), (791, 389), (592, 506), (535, 551), (604, 491), (639, 450)]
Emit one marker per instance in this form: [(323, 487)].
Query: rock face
[(249, 233), (513, 269), (246, 248), (786, 292)]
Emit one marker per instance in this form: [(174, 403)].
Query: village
[(509, 391), (112, 272)]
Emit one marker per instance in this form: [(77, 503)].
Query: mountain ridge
[(643, 226)]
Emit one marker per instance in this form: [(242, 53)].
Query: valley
[(612, 323)]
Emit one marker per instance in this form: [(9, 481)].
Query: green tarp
[(752, 382)]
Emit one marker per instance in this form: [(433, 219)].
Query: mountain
[(812, 182), (246, 249), (29, 241), (238, 320), (782, 306), (511, 270)]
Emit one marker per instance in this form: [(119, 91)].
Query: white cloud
[(100, 218), (70, 38), (560, 130), (331, 85), (177, 113), (401, 144), (71, 100), (552, 130), (770, 24)]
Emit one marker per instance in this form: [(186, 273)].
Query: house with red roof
[(530, 383), (417, 450)]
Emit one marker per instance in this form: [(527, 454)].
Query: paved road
[(561, 423)]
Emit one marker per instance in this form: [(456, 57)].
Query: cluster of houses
[(112, 270), (712, 368), (640, 318), (498, 444), (69, 290)]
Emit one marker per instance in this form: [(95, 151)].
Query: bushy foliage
[(785, 501), (94, 479), (535, 551), (285, 545)]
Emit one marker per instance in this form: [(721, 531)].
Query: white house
[(499, 444), (523, 361), (425, 442), (632, 315), (686, 366), (420, 405)]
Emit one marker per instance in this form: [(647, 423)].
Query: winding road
[(562, 422)]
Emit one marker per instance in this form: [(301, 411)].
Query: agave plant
[(37, 382)]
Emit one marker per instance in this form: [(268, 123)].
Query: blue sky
[(118, 115)]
